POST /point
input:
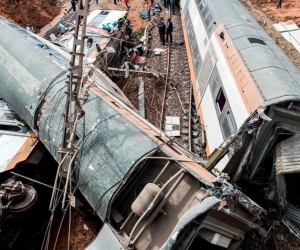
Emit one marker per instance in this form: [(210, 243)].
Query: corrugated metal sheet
[(292, 213), (287, 156)]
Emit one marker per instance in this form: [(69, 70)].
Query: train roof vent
[(256, 40)]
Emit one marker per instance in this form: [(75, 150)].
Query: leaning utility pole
[(73, 109), (72, 113)]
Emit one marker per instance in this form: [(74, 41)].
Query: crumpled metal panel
[(105, 240), (112, 144), (196, 211), (26, 69), (287, 156)]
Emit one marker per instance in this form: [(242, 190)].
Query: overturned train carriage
[(245, 85), (149, 192)]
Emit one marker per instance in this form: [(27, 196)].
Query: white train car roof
[(95, 21), (276, 77)]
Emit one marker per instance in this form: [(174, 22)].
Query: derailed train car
[(247, 93), (149, 192)]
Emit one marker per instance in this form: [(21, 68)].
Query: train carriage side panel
[(201, 37), (221, 115), (249, 94), (228, 82)]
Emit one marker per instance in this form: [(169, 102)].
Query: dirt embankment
[(35, 13), (290, 10)]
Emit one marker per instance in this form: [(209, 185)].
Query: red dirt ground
[(35, 13), (40, 13), (290, 10)]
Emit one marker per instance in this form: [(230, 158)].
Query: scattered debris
[(172, 126), (290, 31), (141, 97)]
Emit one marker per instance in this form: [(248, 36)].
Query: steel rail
[(166, 81)]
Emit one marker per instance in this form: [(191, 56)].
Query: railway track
[(177, 92), (178, 97), (170, 95)]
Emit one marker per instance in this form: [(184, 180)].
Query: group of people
[(172, 4), (163, 29), (13, 1)]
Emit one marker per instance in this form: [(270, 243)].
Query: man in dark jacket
[(169, 30), (172, 5), (161, 30), (279, 4), (73, 3)]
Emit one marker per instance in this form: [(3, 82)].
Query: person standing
[(126, 3), (172, 5), (73, 3), (279, 4), (169, 30), (161, 30), (148, 8)]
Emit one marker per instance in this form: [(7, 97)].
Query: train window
[(202, 4), (221, 100), (226, 128), (256, 40), (208, 19), (205, 11), (230, 121)]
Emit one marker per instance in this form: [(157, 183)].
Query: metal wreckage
[(263, 158), (149, 192)]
